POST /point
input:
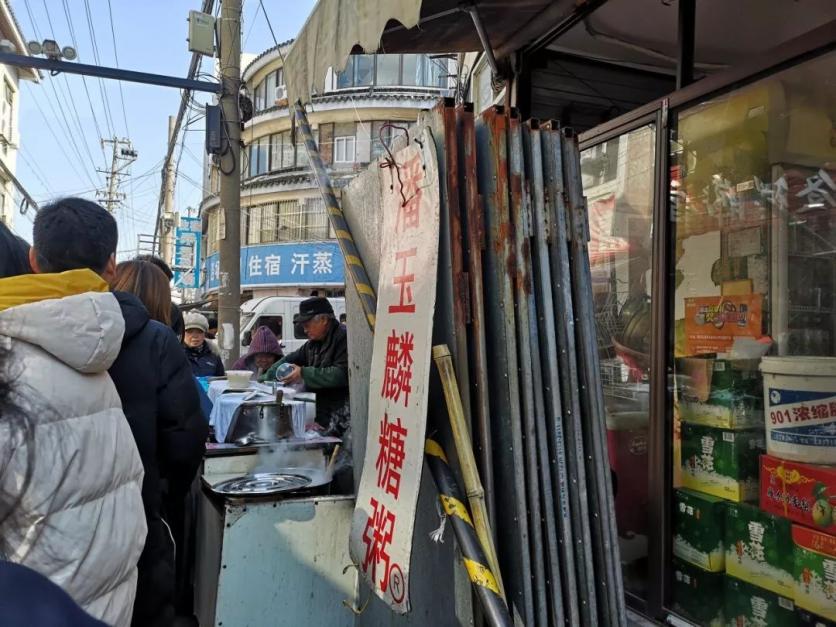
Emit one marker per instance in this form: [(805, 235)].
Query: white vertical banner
[(384, 515)]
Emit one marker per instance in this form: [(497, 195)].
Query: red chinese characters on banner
[(384, 517), (398, 375), (390, 455), (377, 536), (412, 172), (405, 281)]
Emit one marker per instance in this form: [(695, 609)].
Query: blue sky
[(59, 137)]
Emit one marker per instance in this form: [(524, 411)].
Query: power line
[(35, 168), (67, 130), (73, 38), (116, 56), (69, 92), (102, 88)]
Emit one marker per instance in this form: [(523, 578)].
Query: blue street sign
[(187, 253), (303, 263)]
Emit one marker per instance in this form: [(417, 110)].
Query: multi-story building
[(287, 244), (11, 40)]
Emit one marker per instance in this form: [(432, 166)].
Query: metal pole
[(483, 37), (229, 291), (353, 262), (166, 244), (461, 437), (475, 562), (686, 40), (22, 60), (111, 179)]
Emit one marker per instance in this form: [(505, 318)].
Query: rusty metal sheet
[(471, 217), (558, 518), (530, 390), (565, 326), (506, 419)]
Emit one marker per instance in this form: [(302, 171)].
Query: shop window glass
[(388, 69), (620, 219), (753, 219)]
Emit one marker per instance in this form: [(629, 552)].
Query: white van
[(276, 312)]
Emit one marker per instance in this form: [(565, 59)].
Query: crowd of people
[(103, 423)]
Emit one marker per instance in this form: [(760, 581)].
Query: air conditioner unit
[(281, 94)]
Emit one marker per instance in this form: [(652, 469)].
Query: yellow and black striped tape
[(473, 554), (354, 264)]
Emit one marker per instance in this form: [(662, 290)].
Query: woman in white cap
[(205, 363)]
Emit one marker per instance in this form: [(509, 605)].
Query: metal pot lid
[(262, 483)]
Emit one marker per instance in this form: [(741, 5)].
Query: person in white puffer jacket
[(76, 479)]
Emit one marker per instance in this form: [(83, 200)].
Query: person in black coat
[(28, 599), (15, 258), (205, 362), (160, 400)]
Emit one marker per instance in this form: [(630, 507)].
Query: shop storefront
[(713, 250)]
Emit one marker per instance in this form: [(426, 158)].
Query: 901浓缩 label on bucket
[(801, 424)]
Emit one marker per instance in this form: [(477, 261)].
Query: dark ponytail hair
[(16, 436)]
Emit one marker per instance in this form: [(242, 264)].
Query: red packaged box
[(804, 493)]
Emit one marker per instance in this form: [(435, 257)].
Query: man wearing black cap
[(321, 363)]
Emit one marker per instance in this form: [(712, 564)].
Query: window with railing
[(388, 70), (341, 145), (295, 220)]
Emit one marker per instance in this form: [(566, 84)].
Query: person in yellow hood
[(79, 526)]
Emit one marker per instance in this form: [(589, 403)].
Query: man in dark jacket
[(204, 361), (154, 381), (321, 363)]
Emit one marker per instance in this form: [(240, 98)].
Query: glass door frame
[(662, 112)]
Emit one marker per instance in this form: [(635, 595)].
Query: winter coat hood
[(80, 518), (263, 341), (83, 331)]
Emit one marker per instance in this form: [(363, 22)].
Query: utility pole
[(168, 221), (229, 247), (123, 156)]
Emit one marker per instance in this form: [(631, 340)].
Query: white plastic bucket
[(799, 398)]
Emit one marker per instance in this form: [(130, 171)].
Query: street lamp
[(50, 49)]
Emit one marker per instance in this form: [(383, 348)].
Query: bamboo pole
[(461, 436)]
